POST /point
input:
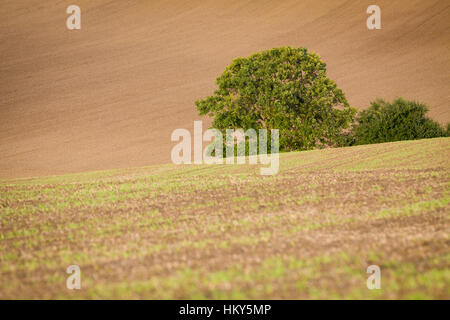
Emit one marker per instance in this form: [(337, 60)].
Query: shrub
[(399, 120), (283, 88)]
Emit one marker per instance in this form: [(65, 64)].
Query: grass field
[(227, 232)]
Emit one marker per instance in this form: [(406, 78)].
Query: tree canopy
[(283, 88)]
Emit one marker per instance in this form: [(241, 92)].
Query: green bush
[(399, 120), (283, 88)]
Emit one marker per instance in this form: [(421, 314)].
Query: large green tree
[(283, 88)]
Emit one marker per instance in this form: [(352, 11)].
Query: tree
[(283, 88), (399, 120)]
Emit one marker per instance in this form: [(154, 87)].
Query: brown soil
[(109, 95)]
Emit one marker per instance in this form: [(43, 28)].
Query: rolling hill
[(109, 95), (226, 232)]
